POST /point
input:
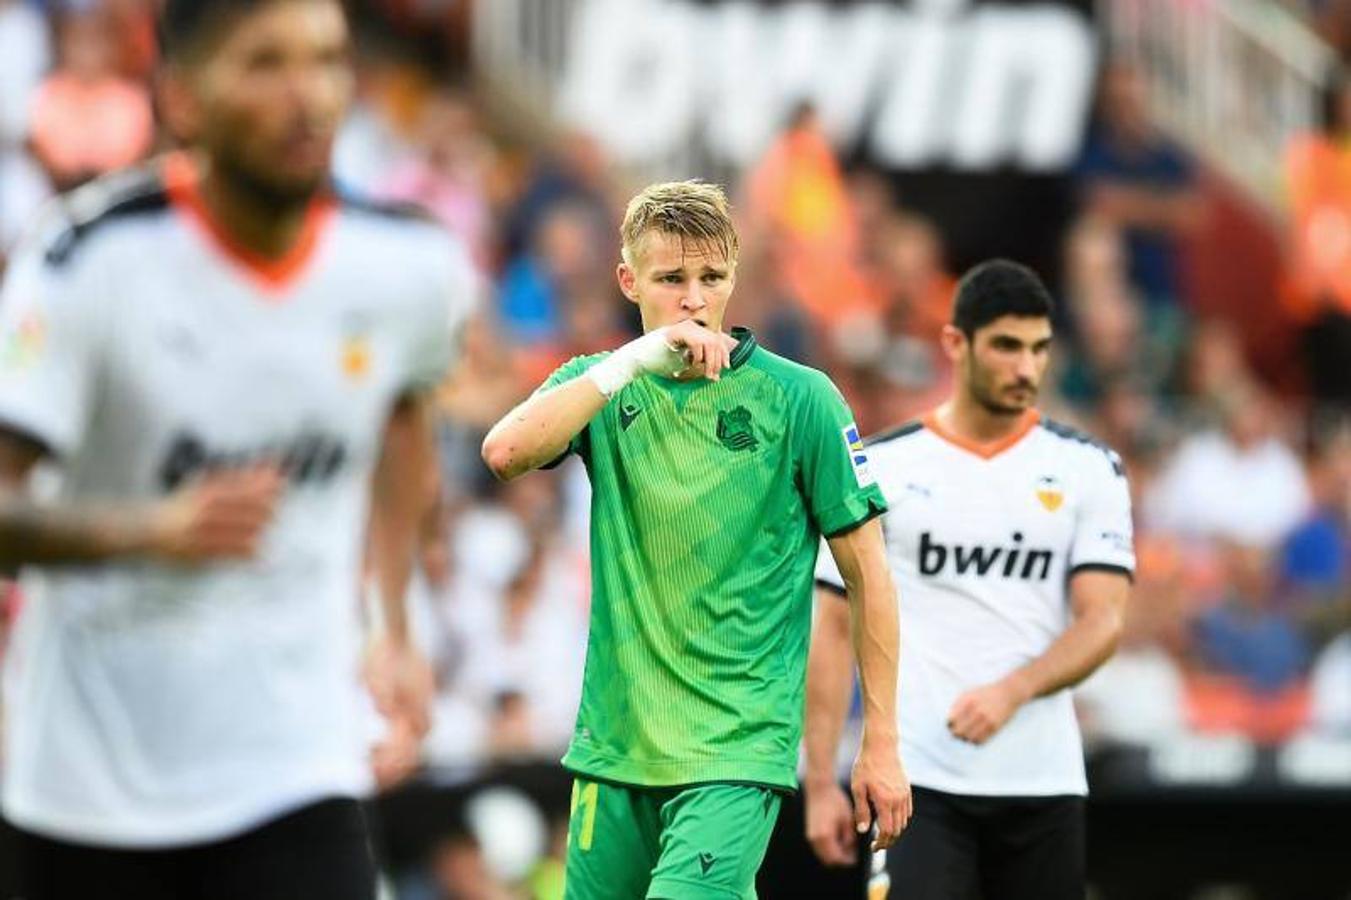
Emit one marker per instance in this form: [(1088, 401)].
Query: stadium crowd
[(1241, 617)]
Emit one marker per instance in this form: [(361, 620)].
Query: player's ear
[(177, 103), (953, 341), (628, 281)]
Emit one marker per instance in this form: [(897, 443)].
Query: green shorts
[(686, 843)]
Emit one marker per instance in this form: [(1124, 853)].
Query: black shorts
[(961, 847), (319, 852)]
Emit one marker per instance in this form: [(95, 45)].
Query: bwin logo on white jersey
[(1021, 562)]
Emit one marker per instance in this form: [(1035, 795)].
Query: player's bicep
[(1104, 533), (859, 555), (1099, 592), (838, 486)]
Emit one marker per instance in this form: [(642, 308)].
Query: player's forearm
[(38, 535), (875, 632), (538, 431), (829, 682), (1088, 643), (403, 493)]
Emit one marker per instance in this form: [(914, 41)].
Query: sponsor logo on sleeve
[(21, 345), (858, 456)]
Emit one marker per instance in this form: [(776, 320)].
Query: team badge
[(356, 357), (1050, 493), (858, 455), (20, 347), (735, 429)]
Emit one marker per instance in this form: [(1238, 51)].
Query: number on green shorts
[(584, 794)]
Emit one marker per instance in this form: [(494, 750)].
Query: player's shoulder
[(797, 380), (395, 217), (73, 220), (896, 436), (1074, 440)]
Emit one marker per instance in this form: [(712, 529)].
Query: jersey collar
[(985, 451), (273, 275), (745, 347)]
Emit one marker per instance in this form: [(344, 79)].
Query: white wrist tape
[(649, 353)]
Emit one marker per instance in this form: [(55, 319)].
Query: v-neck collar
[(275, 276), (987, 450), (744, 348)]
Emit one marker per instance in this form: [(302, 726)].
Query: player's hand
[(705, 352), (398, 754), (978, 714), (880, 787), (830, 823), (221, 516), (401, 683)]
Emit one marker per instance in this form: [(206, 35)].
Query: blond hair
[(693, 211)]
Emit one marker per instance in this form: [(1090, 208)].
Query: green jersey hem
[(681, 773)]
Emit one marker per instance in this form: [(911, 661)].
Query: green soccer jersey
[(709, 500)]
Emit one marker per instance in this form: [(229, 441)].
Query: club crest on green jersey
[(735, 430)]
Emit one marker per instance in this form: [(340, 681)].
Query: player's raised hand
[(830, 823), (705, 352), (978, 714), (881, 792), (221, 516)]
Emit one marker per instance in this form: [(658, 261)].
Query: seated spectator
[(1316, 557), (1246, 635), (1138, 696), (448, 172), (1134, 177), (511, 625), (1239, 481), (566, 258), (86, 118), (1318, 287)]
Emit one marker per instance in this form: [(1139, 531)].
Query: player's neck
[(257, 222), (968, 419)]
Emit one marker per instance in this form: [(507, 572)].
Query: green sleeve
[(569, 370), (837, 485)]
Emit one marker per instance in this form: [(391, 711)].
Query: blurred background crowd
[(1200, 250)]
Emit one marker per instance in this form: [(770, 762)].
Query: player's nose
[(693, 298)]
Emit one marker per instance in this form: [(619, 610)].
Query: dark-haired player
[(225, 362), (1009, 536)]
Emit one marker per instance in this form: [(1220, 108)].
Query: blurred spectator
[(1246, 635), (1315, 557), (1239, 481), (574, 170), (86, 118), (1138, 696), (512, 633), (485, 384), (1108, 330), (448, 171), (566, 260), (799, 209), (1318, 288), (1133, 177)]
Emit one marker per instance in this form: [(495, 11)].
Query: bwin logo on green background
[(735, 430)]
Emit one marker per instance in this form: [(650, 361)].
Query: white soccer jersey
[(982, 542), (154, 706)]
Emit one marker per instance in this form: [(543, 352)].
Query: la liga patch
[(858, 456)]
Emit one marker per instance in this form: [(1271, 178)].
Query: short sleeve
[(827, 572), (451, 299), (562, 375), (837, 484), (1103, 535), (48, 352)]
